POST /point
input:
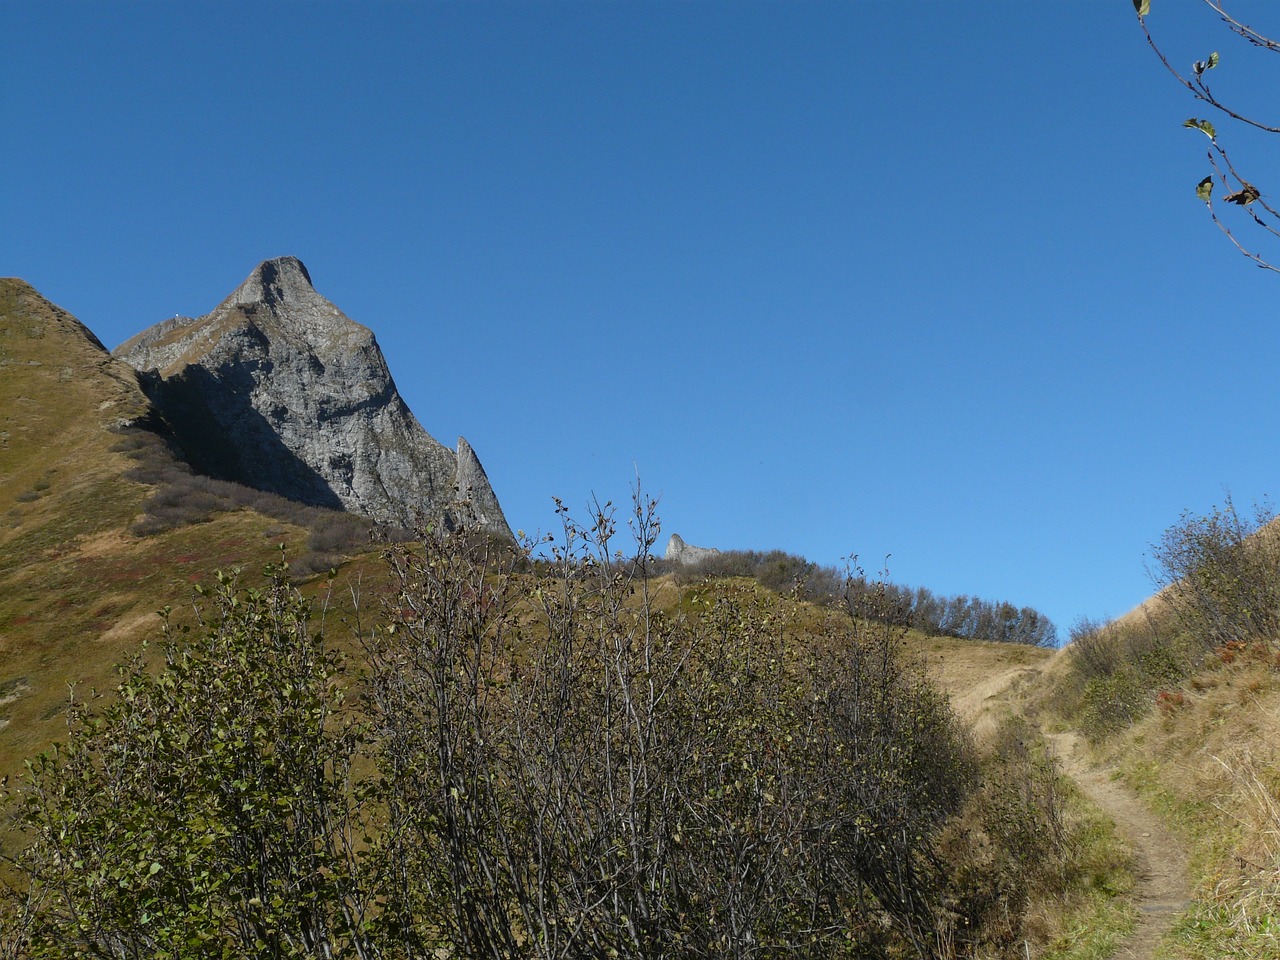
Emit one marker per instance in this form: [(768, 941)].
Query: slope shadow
[(220, 433)]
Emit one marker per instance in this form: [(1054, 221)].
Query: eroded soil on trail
[(1161, 889)]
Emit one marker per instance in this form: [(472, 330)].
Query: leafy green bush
[(1112, 703), (207, 811), (1115, 670)]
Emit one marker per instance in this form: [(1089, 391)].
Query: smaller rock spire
[(687, 554), (472, 492)]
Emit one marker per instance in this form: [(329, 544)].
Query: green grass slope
[(78, 592)]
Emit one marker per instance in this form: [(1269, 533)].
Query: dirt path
[(1161, 890)]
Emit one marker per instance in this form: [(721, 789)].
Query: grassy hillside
[(1181, 700), (78, 592), (1203, 751), (1208, 759), (100, 529)]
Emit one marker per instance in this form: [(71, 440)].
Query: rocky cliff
[(277, 389), (686, 553)]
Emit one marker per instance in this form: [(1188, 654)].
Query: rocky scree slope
[(279, 390)]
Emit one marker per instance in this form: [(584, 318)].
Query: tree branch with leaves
[(1240, 191)]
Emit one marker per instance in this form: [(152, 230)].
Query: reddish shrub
[(1169, 700)]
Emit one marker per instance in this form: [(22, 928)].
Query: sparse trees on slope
[(960, 616)]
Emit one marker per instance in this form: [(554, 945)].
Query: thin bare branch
[(1243, 30), (1255, 257), (1198, 88)]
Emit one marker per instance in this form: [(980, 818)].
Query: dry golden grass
[(986, 681), (1216, 744), (77, 593), (1207, 757)]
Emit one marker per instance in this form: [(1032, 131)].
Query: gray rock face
[(279, 390), (687, 554)]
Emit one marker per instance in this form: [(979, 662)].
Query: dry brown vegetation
[(1183, 695), (100, 528), (792, 739)]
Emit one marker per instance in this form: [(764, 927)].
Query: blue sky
[(926, 279)]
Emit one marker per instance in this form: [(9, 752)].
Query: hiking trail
[(1161, 890)]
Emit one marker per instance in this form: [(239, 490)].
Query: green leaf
[(1204, 126), (155, 868), (1142, 6), (1204, 189), (1200, 66)]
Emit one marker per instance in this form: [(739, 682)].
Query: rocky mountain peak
[(278, 389), (283, 280), (687, 554)]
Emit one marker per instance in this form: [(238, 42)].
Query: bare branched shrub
[(574, 773), (1094, 647), (1221, 574)]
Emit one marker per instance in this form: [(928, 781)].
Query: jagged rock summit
[(279, 390), (687, 554)]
